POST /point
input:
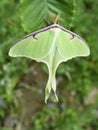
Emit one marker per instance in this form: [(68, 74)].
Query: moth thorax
[(55, 30)]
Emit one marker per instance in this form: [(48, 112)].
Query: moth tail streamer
[(51, 87)]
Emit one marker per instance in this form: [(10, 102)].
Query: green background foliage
[(22, 82), (30, 12)]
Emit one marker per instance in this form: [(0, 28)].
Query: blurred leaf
[(34, 13)]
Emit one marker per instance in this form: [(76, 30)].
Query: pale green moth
[(51, 45)]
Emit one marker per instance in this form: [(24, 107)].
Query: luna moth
[(51, 45)]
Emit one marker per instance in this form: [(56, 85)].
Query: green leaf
[(34, 13)]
